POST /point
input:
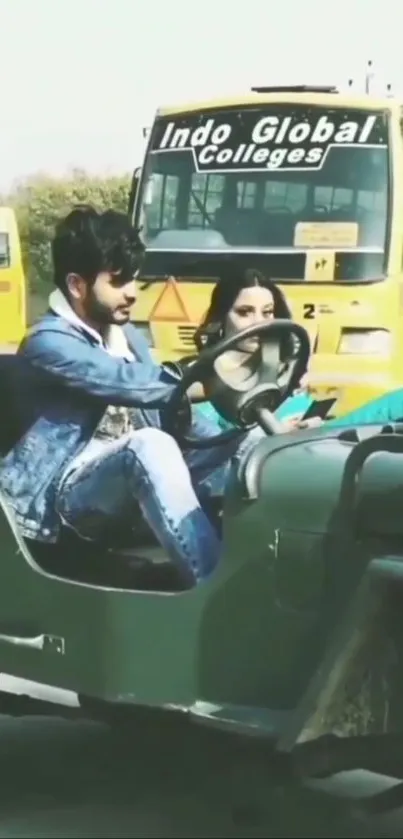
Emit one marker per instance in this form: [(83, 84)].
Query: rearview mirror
[(133, 190)]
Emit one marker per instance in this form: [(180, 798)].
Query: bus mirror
[(133, 189)]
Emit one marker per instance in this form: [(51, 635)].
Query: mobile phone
[(294, 406), (319, 408)]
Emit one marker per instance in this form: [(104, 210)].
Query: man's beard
[(98, 312)]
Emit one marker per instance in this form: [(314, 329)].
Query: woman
[(241, 299)]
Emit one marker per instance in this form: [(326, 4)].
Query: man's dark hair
[(87, 242)]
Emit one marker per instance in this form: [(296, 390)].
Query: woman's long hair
[(226, 291)]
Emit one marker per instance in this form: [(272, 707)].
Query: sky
[(80, 79)]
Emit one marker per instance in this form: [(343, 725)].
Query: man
[(93, 448)]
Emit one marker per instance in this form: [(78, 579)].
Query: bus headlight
[(365, 342), (144, 327)]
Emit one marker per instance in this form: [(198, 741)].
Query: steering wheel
[(243, 400)]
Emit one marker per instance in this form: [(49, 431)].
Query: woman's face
[(253, 305)]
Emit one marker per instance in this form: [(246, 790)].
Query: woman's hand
[(297, 423), (291, 424), (314, 422)]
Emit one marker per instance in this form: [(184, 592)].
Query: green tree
[(41, 200)]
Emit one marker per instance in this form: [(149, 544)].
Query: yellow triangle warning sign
[(169, 305)]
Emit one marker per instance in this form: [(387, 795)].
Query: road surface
[(82, 779)]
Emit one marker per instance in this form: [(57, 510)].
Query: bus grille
[(186, 336)]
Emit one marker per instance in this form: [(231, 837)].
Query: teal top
[(380, 411), (292, 406)]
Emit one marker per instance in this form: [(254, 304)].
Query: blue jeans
[(147, 469)]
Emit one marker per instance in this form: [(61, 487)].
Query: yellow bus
[(12, 281), (305, 184)]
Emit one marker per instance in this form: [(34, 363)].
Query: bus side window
[(161, 209), (4, 250), (283, 195), (206, 193), (246, 195)]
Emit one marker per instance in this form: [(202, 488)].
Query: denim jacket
[(68, 380)]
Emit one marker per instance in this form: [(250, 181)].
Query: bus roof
[(326, 100)]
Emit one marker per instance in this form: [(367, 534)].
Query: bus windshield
[(274, 178)]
